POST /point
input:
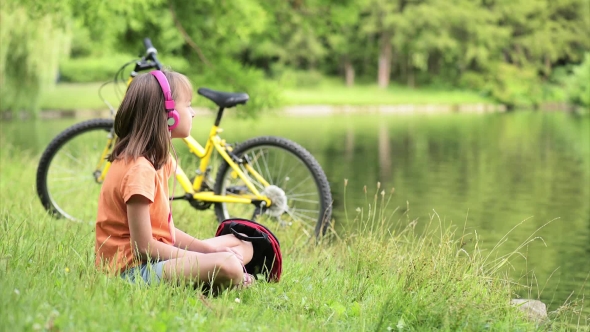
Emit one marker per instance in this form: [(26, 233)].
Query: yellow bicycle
[(270, 179)]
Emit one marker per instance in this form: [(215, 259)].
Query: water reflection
[(384, 152)]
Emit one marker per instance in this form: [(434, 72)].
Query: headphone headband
[(173, 116), (163, 81)]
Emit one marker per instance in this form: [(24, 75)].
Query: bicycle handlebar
[(150, 49), (151, 53)]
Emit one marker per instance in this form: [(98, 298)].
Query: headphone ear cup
[(173, 119)]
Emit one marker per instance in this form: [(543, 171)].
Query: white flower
[(401, 324), (238, 300)]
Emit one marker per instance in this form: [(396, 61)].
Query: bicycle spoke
[(66, 192), (304, 200), (74, 159), (299, 218), (69, 186), (280, 172), (259, 170), (305, 210), (252, 179), (293, 177), (64, 170), (267, 168), (72, 178), (300, 195), (289, 172), (300, 183)]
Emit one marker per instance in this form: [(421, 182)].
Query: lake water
[(486, 171)]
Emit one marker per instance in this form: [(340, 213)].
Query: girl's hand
[(233, 251)]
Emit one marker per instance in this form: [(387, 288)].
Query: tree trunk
[(368, 63), (411, 79), (547, 66), (384, 60), (348, 72)]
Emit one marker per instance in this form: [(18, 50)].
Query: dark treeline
[(518, 52)]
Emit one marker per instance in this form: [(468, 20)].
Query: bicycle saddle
[(224, 99)]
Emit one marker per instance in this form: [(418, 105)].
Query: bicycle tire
[(308, 163), (45, 176)]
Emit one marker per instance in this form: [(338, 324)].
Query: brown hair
[(141, 121)]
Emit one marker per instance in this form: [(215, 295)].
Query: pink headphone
[(173, 116)]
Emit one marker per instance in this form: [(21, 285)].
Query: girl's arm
[(187, 242), (140, 228)]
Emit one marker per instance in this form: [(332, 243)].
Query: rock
[(534, 309)]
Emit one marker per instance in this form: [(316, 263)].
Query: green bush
[(228, 75), (292, 78), (98, 69), (516, 87), (304, 79), (578, 84)]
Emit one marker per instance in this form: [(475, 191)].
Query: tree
[(578, 84), (344, 36), (215, 41), (381, 19), (506, 49), (34, 37), (541, 34)]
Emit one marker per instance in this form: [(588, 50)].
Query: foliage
[(34, 38), (296, 89), (230, 75), (103, 68), (514, 86), (505, 49), (578, 85)]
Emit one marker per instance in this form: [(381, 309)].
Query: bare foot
[(248, 281)]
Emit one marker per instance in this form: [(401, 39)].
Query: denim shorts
[(150, 273)]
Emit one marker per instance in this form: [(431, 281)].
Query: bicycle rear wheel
[(299, 191), (67, 172)]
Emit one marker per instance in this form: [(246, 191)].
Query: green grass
[(75, 96), (375, 277)]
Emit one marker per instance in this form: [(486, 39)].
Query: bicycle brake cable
[(115, 81), (119, 72), (111, 108)]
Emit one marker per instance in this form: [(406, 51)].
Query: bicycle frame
[(214, 142)]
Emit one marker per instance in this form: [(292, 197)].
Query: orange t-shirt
[(125, 179)]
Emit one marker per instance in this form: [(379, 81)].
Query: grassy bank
[(376, 277), (333, 93), (72, 96)]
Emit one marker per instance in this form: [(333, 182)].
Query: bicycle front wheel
[(297, 187), (67, 174)]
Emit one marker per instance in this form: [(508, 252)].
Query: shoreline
[(313, 110)]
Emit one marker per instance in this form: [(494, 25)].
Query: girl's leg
[(218, 269), (230, 241)]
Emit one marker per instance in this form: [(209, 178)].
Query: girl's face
[(186, 112)]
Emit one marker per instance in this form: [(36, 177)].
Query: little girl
[(135, 233)]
